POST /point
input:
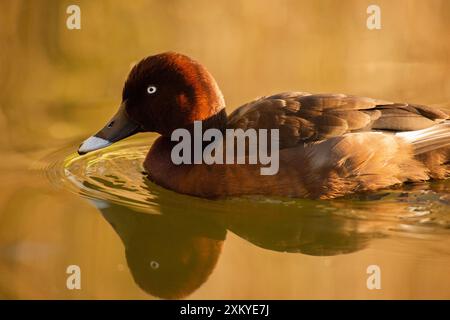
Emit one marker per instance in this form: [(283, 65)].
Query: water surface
[(172, 244)]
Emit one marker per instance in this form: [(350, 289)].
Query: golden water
[(133, 239)]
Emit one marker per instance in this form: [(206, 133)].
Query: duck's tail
[(425, 140)]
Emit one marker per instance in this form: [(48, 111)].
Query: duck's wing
[(303, 117)]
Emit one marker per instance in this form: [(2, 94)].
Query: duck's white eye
[(151, 89)]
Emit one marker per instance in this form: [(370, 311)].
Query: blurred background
[(58, 86)]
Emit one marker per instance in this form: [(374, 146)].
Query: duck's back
[(303, 117)]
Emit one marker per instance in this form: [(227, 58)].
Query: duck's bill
[(118, 128)]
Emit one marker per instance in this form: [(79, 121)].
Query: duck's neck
[(159, 163), (197, 129), (217, 121)]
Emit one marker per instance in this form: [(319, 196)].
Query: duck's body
[(330, 144)]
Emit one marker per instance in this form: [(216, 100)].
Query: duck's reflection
[(172, 254), (168, 256)]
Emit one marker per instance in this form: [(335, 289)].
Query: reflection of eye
[(154, 265), (151, 89)]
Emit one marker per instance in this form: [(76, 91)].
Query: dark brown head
[(163, 92)]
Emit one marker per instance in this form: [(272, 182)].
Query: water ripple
[(116, 175)]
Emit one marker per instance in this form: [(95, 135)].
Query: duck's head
[(162, 93)]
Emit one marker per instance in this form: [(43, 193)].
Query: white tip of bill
[(93, 143)]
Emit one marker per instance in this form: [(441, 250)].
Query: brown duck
[(330, 144)]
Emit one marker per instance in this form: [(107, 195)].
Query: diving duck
[(330, 145)]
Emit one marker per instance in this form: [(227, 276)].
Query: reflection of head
[(169, 263), (168, 256)]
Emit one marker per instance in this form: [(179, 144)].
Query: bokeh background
[(59, 86)]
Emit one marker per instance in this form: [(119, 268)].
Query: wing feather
[(303, 117)]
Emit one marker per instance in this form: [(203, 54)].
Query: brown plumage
[(330, 144), (304, 117)]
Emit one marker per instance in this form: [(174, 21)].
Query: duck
[(330, 145)]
